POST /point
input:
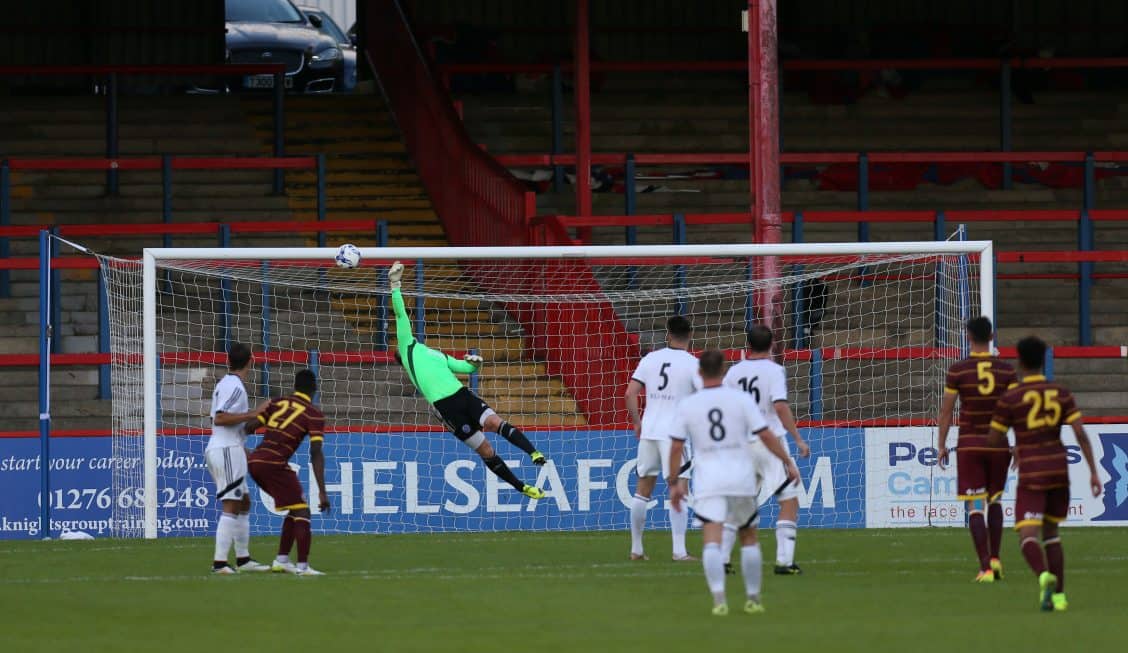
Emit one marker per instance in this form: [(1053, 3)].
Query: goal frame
[(152, 256)]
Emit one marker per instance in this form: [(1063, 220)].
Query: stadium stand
[(373, 174)]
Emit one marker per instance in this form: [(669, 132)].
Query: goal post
[(561, 329)]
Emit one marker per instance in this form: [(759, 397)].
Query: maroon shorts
[(280, 482), (1032, 507), (982, 474)]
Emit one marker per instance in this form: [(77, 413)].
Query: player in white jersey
[(719, 422), (666, 375), (766, 381), (226, 456)]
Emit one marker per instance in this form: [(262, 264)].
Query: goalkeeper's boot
[(250, 564), (753, 606), (720, 610), (307, 571), (533, 492), (985, 576), (788, 570), (223, 570), (280, 567), (1060, 604), (1047, 582), (538, 458), (997, 567)]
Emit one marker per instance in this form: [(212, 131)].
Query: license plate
[(264, 81)]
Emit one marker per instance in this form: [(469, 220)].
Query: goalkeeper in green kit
[(463, 412)]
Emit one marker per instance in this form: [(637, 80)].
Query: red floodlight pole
[(581, 82), (763, 153)]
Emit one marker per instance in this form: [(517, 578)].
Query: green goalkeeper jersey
[(432, 371)]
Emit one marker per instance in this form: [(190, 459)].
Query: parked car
[(275, 31), (347, 45)]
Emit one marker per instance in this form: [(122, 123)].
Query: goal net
[(867, 332)]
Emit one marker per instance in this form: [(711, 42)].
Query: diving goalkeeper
[(463, 412)]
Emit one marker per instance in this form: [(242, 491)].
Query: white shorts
[(773, 475), (742, 512), (228, 467), (654, 459)]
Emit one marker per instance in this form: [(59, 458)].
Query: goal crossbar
[(983, 247)]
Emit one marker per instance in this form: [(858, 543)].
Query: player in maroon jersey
[(1037, 409), (978, 381), (288, 421)]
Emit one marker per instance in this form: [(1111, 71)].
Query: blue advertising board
[(399, 483)]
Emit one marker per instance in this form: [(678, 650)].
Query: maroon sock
[(1034, 555), (1055, 560), (287, 541), (995, 527), (303, 535), (978, 529)]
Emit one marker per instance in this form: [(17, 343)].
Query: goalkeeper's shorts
[(464, 413)]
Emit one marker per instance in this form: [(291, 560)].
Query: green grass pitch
[(863, 590)]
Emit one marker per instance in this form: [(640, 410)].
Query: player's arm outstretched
[(404, 335), (469, 364), (234, 419)]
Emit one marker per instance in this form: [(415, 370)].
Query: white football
[(348, 256)]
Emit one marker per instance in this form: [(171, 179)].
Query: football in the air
[(348, 256)]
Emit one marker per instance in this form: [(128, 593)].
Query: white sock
[(303, 565), (750, 561), (679, 522), (224, 535), (714, 571), (638, 520), (284, 559), (785, 543), (728, 539), (243, 535)]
